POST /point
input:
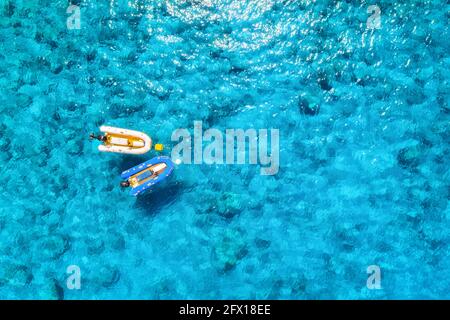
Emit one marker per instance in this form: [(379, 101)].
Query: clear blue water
[(363, 180)]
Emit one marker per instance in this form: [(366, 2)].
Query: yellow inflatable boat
[(123, 141)]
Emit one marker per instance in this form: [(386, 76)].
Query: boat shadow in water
[(130, 161), (161, 195)]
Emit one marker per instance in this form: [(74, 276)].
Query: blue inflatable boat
[(144, 176)]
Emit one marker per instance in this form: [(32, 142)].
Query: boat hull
[(125, 141), (139, 178)]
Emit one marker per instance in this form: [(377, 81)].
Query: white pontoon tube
[(124, 141)]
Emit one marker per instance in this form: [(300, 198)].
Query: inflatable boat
[(123, 141), (144, 176)]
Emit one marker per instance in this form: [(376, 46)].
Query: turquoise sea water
[(364, 172)]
